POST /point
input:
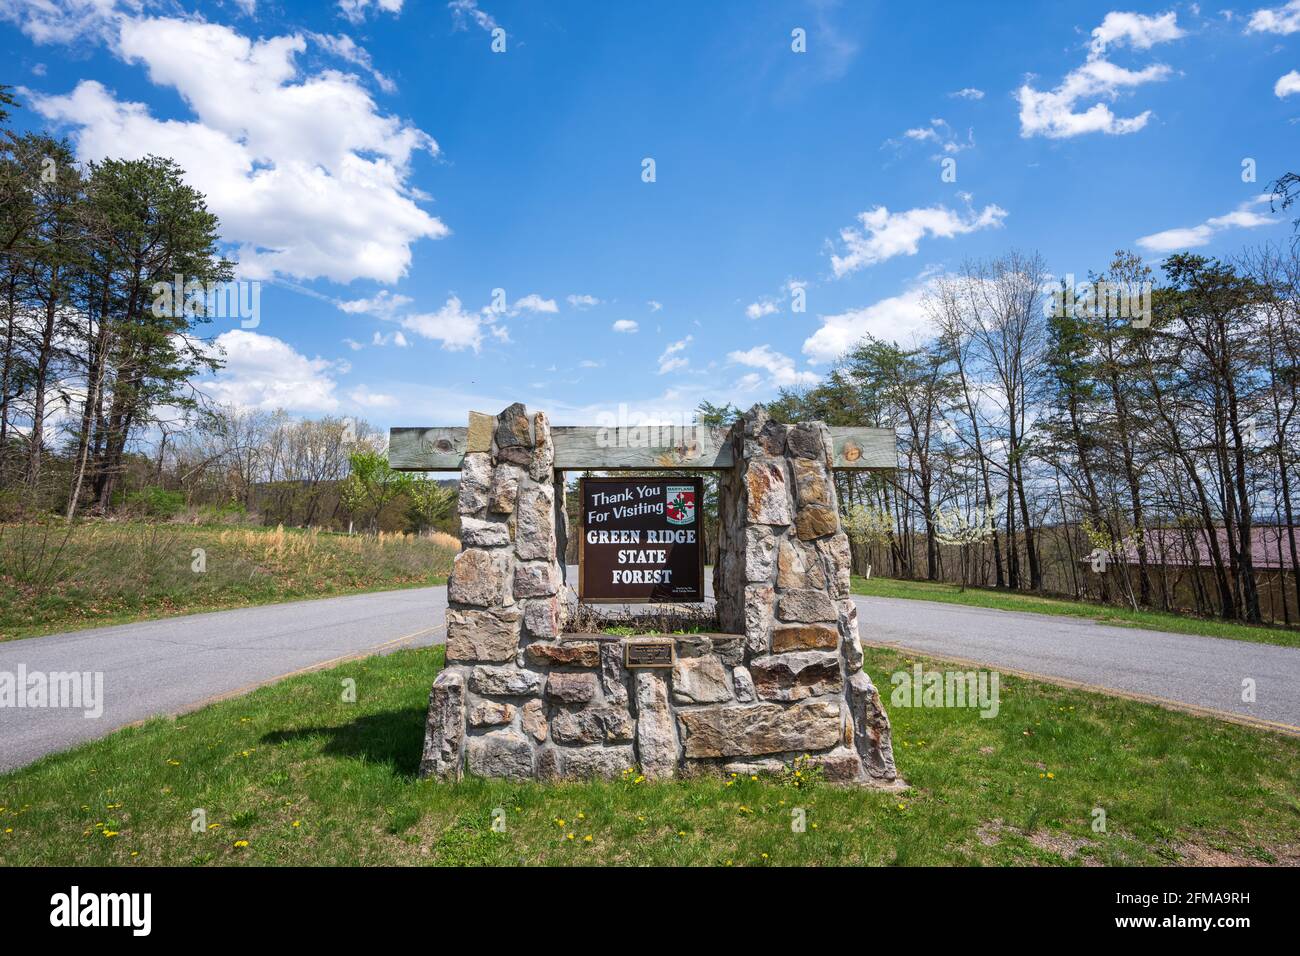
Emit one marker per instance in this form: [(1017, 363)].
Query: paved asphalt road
[(1202, 672), (176, 664), (170, 666)]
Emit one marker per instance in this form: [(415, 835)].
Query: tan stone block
[(479, 437), (815, 521), (804, 637), (572, 653), (482, 636), (749, 730)]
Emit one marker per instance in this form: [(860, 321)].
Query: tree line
[(86, 359), (1053, 442)]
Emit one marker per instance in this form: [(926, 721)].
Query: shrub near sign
[(640, 540)]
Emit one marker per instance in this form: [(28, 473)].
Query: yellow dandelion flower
[(296, 823), (214, 826), (681, 833), (581, 815), (753, 776), (109, 834), (1051, 776), (241, 843), (568, 836), (587, 838)]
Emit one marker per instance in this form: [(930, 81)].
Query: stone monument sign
[(524, 697)]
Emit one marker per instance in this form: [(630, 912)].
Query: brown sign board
[(642, 540)]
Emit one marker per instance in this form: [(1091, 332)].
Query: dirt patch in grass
[(1194, 854), (1064, 845)]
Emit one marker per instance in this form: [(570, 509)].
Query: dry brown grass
[(53, 577)]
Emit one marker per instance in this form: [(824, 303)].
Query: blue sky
[(381, 170)]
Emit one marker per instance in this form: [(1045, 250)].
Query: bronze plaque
[(642, 540), (648, 654)]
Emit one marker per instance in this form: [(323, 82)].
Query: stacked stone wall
[(521, 699)]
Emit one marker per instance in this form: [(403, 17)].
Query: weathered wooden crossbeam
[(589, 448)]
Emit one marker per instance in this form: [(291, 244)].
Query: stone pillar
[(485, 708), (782, 580)]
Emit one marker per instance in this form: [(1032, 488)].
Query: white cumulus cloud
[(901, 318), (355, 11), (1244, 216), (266, 373), (672, 359), (384, 305), (451, 325), (1287, 85), (1283, 20), (780, 369), (1137, 30), (884, 235), (309, 179), (533, 303), (1055, 114)]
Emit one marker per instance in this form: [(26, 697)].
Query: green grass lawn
[(1103, 613), (291, 774), (55, 578)]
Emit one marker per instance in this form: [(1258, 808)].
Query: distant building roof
[(1171, 546)]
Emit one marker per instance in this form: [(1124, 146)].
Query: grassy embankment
[(53, 578)]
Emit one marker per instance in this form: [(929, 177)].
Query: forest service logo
[(681, 504)]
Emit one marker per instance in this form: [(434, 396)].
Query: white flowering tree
[(868, 525), (961, 529)]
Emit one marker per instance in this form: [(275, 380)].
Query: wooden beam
[(587, 448)]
